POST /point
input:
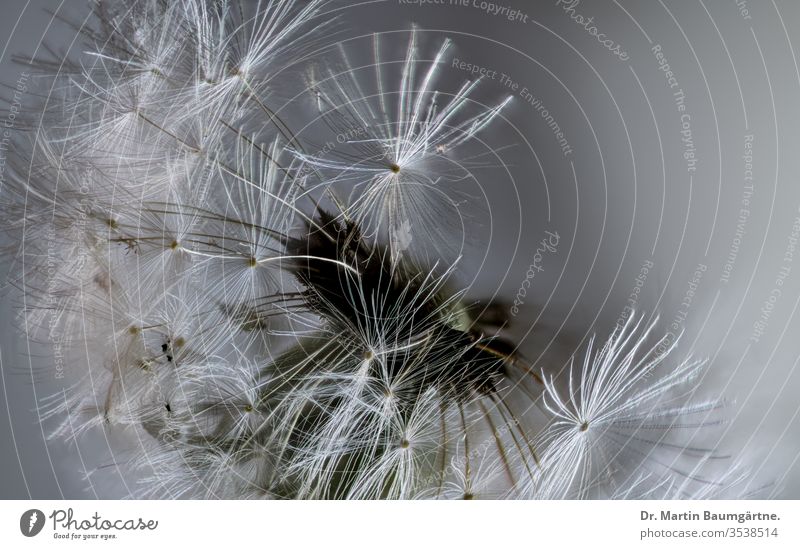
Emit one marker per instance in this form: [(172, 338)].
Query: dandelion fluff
[(251, 333)]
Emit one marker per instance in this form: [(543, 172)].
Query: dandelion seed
[(614, 421), (392, 158)]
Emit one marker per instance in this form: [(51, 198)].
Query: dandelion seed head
[(259, 333)]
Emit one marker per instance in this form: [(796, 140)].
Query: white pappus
[(264, 321)]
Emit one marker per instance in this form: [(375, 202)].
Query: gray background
[(624, 197)]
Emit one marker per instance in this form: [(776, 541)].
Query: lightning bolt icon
[(34, 520)]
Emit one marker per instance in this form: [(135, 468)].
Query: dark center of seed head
[(395, 168)]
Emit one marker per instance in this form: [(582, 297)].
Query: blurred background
[(657, 140)]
